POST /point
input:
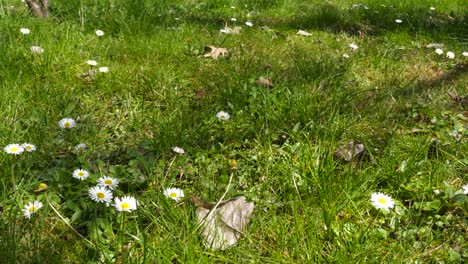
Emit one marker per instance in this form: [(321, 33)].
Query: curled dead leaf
[(229, 30), (215, 52), (303, 33), (222, 225), (349, 151), (265, 82), (41, 188), (86, 76), (456, 98)]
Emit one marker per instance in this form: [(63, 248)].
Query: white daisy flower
[(345, 56), (450, 55), (67, 123), (233, 19), (103, 69), (174, 193), (439, 51), (14, 149), (126, 204), (31, 208), (100, 194), (465, 188), (178, 150), (80, 174), (25, 31), (398, 21), (37, 50), (223, 116), (108, 182), (249, 23), (382, 201), (91, 62), (99, 33), (465, 54), (432, 8), (28, 147), (80, 147), (353, 46)]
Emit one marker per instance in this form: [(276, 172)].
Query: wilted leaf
[(434, 45), (41, 188), (229, 30), (349, 151), (304, 33), (215, 52), (86, 76), (223, 225), (456, 98), (264, 82)]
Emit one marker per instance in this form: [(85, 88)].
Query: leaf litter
[(223, 223), (215, 52)]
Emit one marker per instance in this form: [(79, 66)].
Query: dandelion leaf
[(215, 52), (222, 226)]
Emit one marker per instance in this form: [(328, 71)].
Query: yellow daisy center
[(108, 182), (13, 149), (223, 117), (42, 186), (81, 174), (32, 209), (173, 194), (125, 205), (67, 124), (100, 195), (382, 200), (28, 147)]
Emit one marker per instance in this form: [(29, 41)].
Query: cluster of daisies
[(16, 149), (102, 192), (449, 54), (39, 50)]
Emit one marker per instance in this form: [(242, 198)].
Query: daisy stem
[(121, 238), (13, 162), (96, 227)]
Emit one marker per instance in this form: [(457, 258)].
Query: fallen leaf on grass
[(349, 151), (456, 98), (229, 30), (304, 33), (434, 45), (223, 225), (265, 82), (86, 76), (215, 52)]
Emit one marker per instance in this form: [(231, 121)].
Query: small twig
[(169, 168)]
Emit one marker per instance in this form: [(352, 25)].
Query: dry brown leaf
[(265, 82), (455, 97), (229, 30), (349, 151), (304, 33), (222, 227), (86, 76), (215, 52)]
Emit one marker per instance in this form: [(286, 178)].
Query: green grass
[(160, 92)]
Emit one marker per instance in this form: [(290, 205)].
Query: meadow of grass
[(390, 94)]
